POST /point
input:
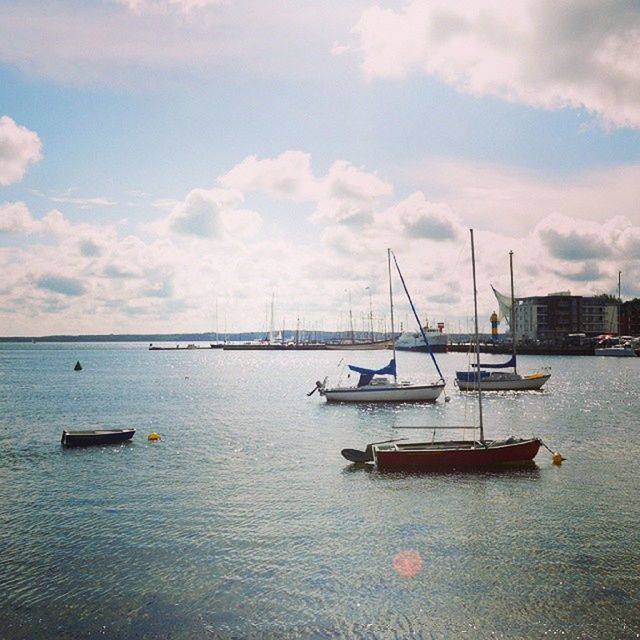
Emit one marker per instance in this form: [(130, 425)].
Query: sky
[(191, 165)]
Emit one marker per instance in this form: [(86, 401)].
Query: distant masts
[(619, 304)]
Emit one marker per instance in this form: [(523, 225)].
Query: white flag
[(504, 306)]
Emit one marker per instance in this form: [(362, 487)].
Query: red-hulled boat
[(397, 455), (452, 454)]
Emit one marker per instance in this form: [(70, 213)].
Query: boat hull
[(616, 352), (408, 341), (533, 383), (248, 346), (384, 393), (453, 455), (359, 346), (96, 437), (435, 348)]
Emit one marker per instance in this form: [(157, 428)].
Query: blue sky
[(161, 158)]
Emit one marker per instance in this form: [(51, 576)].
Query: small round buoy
[(447, 398), (153, 436), (557, 457)]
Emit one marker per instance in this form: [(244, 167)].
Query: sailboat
[(351, 344), (397, 455), (621, 349), (365, 345), (502, 380), (383, 385)]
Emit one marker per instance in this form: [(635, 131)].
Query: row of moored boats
[(384, 385)]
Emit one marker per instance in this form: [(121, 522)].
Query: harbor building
[(552, 317), (630, 318)]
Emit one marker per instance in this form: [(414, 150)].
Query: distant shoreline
[(129, 337), (248, 336), (289, 336), (243, 340)]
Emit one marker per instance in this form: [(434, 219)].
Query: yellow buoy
[(557, 457), (153, 436)]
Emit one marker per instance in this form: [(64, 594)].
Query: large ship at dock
[(413, 340)]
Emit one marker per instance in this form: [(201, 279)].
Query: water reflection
[(525, 469)]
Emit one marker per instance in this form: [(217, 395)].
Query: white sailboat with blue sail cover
[(500, 378), (383, 385)]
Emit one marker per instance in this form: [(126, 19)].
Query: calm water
[(245, 521)]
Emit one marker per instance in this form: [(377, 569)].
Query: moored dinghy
[(95, 437), (450, 454)]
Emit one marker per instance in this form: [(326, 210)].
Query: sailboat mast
[(475, 311), (217, 330), (513, 314), (370, 316), (272, 329), (619, 305), (393, 330), (353, 337)]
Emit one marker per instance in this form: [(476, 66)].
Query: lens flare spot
[(407, 562)]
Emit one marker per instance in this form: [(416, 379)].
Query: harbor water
[(244, 521)]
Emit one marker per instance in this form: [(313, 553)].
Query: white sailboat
[(383, 385), (502, 380), (622, 348), (351, 344)]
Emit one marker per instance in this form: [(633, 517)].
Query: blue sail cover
[(366, 375), (470, 376), (509, 363)]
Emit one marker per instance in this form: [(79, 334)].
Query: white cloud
[(200, 213), (513, 201), (350, 195), (422, 219), (61, 284), (573, 239), (209, 214), (589, 272), (15, 218), (165, 203), (344, 181), (169, 275), (345, 194), (19, 147), (89, 248), (573, 54), (165, 41), (287, 176), (162, 6), (83, 203), (565, 241), (53, 223)]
